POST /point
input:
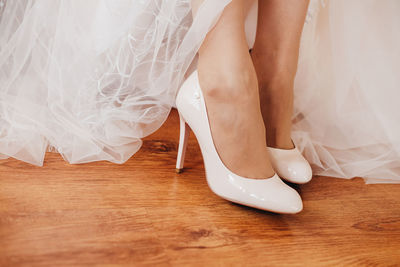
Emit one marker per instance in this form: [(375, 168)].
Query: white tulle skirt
[(89, 79), (347, 112)]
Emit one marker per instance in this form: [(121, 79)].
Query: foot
[(276, 97), (233, 107), (229, 85)]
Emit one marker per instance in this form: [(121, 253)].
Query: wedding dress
[(88, 79)]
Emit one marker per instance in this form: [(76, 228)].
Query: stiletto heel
[(270, 194), (184, 132)]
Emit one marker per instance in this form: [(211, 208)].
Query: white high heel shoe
[(290, 165), (270, 194)]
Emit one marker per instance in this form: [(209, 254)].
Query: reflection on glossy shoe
[(290, 165)]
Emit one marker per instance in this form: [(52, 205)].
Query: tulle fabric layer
[(89, 78), (347, 112)]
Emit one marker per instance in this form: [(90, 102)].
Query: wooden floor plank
[(143, 213)]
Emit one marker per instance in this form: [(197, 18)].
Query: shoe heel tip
[(177, 170)]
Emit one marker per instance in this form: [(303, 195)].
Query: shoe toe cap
[(291, 202), (298, 172), (295, 170), (286, 199), (291, 165)]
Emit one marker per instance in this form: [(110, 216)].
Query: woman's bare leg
[(275, 56), (229, 84)]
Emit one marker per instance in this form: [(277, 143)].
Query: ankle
[(279, 139), (280, 71), (277, 81), (228, 84)]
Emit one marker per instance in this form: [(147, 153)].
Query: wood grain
[(143, 213)]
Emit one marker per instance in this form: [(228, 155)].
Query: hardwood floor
[(143, 213)]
